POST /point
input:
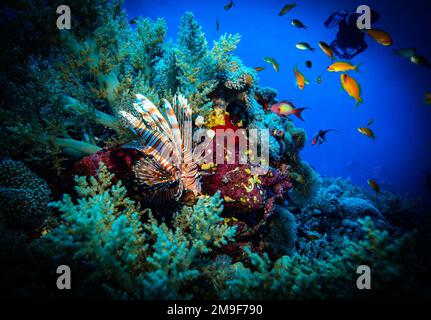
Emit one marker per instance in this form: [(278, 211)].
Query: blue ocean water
[(392, 87)]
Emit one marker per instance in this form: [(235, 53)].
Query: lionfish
[(170, 163)]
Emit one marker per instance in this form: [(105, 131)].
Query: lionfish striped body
[(168, 167)]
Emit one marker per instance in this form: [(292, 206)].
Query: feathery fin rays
[(169, 165)]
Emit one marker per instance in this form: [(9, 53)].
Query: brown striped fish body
[(168, 167)]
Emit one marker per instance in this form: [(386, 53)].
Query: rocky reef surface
[(68, 193)]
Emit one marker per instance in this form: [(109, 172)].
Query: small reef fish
[(320, 137), (298, 24), (229, 5), (217, 25), (312, 235), (343, 66), (370, 122), (427, 99), (308, 64), (259, 69), (374, 185), (420, 60), (326, 48), (351, 86), (405, 53), (286, 108), (300, 79), (319, 80), (367, 132), (273, 62), (288, 7), (304, 46), (380, 36)]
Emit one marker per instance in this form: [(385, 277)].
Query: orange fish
[(326, 48), (380, 36), (300, 79), (286, 108), (367, 132), (352, 88), (259, 69), (342, 66)]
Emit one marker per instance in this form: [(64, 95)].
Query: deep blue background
[(392, 87)]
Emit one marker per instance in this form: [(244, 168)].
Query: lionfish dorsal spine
[(168, 166), (152, 141), (172, 116)]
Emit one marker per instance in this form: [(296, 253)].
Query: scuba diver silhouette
[(349, 40)]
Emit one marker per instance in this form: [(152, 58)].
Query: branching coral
[(300, 277), (221, 52), (104, 232), (103, 229), (93, 71), (204, 224), (188, 68)]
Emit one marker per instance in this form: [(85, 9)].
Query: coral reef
[(24, 196), (307, 184), (80, 79), (301, 277), (104, 232), (68, 107), (245, 190)]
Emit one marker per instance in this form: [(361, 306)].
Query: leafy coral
[(104, 230)]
